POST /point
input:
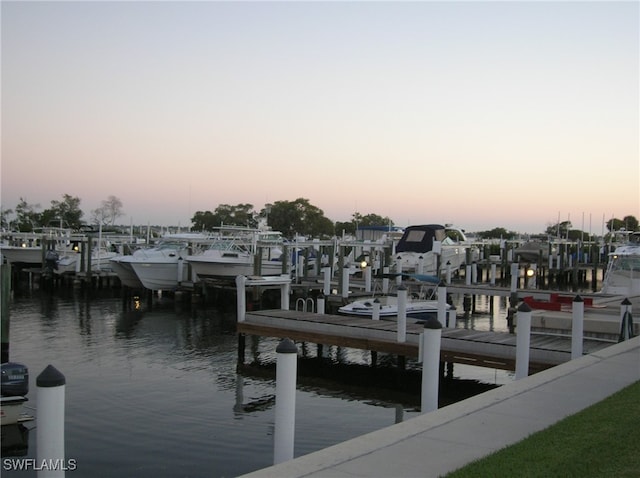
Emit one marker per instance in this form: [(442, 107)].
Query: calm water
[(155, 393)]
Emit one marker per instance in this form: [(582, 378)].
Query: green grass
[(600, 441)]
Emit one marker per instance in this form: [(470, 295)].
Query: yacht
[(240, 251), (622, 276)]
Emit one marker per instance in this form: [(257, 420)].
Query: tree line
[(297, 217)]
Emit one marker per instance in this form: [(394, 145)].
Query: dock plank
[(482, 348)]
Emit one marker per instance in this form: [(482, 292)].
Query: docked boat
[(14, 386), (417, 251), (417, 309), (161, 267), (622, 276), (30, 248), (71, 261), (239, 251)]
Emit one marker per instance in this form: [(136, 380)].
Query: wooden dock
[(481, 348)]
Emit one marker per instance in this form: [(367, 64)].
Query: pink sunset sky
[(496, 114)]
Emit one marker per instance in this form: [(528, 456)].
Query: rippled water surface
[(156, 393)]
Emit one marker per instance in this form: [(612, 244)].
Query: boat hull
[(208, 269), (125, 272), (161, 275), (11, 409)]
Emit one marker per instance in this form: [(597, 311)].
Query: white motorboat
[(30, 248), (417, 309), (429, 248), (71, 261), (622, 276), (240, 252), (161, 267), (14, 387)]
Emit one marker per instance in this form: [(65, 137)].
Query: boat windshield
[(626, 263)]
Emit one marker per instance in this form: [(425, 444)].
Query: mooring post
[(285, 294), (442, 304), (367, 277), (474, 272), (402, 314), (399, 271), (523, 340), (241, 297), (452, 319), (467, 274), (50, 429), (320, 304), (385, 280), (492, 277), (448, 273), (577, 327), (345, 282), (326, 281), (514, 277), (285, 408), (375, 314), (430, 365), (5, 284)]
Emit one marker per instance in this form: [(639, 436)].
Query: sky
[(481, 114)]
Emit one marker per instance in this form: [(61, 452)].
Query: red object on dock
[(555, 302)]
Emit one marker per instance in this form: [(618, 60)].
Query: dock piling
[(50, 430), (523, 340), (430, 365), (285, 408), (577, 327)]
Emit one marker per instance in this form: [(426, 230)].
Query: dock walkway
[(472, 347), (444, 440)]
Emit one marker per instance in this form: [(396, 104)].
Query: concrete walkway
[(439, 442)]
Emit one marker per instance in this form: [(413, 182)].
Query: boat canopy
[(420, 238)]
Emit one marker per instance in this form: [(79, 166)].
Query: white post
[(285, 413), (285, 290), (326, 281), (398, 272), (474, 272), (180, 269), (453, 318), (467, 274), (402, 314), (514, 277), (320, 304), (492, 279), (577, 327), (442, 304), (420, 265), (523, 340), (367, 278), (385, 280), (448, 273), (430, 365), (375, 313), (50, 429), (241, 300), (345, 281)]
